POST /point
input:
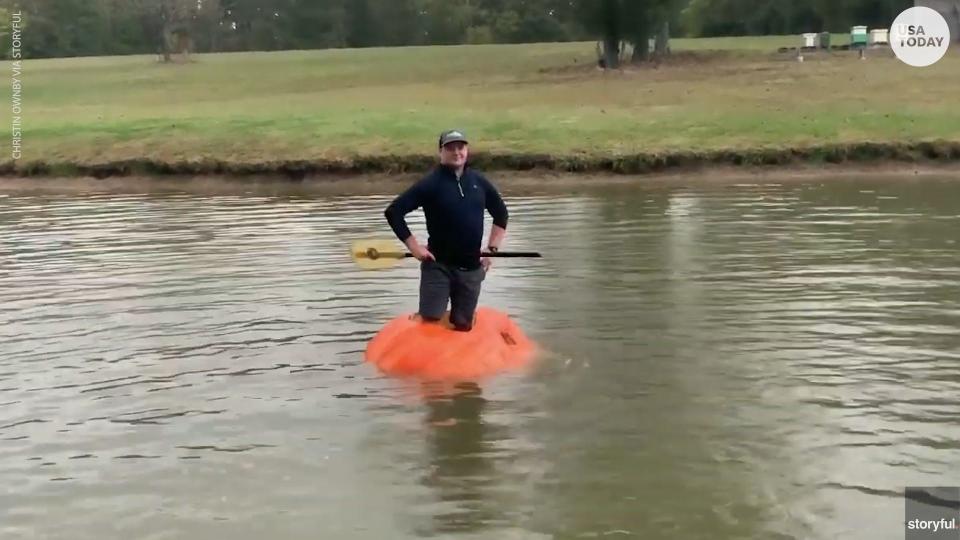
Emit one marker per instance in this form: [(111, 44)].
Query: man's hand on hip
[(423, 254), (419, 252)]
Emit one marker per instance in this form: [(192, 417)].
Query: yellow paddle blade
[(376, 254)]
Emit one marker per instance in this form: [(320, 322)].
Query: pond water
[(755, 359)]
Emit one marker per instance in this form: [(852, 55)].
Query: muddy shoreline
[(859, 154), (512, 182)]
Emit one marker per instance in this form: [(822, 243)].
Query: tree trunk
[(611, 52), (641, 42), (611, 34), (662, 43), (165, 40), (164, 30), (641, 50)]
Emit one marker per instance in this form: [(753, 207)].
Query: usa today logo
[(920, 36)]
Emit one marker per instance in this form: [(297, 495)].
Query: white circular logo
[(920, 36)]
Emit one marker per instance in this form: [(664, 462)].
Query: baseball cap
[(452, 135)]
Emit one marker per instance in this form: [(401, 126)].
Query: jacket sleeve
[(406, 202), (495, 205)]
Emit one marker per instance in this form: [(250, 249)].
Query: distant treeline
[(57, 28)]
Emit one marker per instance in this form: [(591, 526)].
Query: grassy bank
[(732, 100)]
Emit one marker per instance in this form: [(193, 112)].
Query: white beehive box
[(879, 36)]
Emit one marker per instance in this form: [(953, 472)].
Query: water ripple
[(758, 360)]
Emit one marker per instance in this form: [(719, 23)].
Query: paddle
[(376, 254)]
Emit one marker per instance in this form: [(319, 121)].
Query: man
[(454, 198)]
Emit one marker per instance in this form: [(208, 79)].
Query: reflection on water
[(461, 469), (754, 360)]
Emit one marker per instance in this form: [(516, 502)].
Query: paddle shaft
[(377, 254), (499, 254)]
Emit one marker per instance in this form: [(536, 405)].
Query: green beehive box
[(859, 36)]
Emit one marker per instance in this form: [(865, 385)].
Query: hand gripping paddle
[(376, 254)]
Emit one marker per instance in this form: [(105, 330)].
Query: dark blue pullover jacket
[(454, 211)]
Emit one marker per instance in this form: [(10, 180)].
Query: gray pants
[(440, 283)]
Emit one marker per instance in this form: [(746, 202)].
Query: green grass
[(723, 93)]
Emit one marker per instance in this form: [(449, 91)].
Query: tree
[(361, 24), (165, 27), (447, 21), (63, 28), (401, 24), (252, 25), (525, 21), (602, 18), (642, 19), (748, 17), (5, 31), (635, 21)]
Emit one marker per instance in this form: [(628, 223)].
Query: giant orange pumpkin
[(409, 347)]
